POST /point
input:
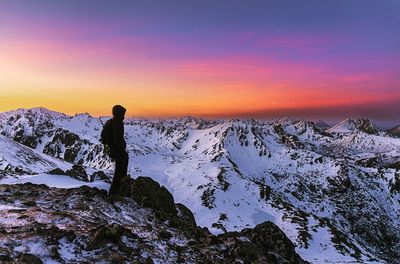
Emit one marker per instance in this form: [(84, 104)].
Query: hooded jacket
[(119, 145)]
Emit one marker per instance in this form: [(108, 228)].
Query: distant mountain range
[(334, 191)]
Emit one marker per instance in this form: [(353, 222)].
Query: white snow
[(59, 181)]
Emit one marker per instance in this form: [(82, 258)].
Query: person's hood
[(118, 112)]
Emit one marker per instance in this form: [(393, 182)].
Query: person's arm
[(118, 134)]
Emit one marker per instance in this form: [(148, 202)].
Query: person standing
[(113, 139)]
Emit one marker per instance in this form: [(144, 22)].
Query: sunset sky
[(307, 59)]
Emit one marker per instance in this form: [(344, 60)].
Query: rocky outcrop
[(78, 172), (150, 194), (287, 139), (265, 243), (100, 175), (65, 144), (82, 225)]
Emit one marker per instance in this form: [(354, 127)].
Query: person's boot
[(125, 180), (113, 195), (115, 198)]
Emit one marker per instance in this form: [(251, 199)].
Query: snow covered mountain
[(335, 194), (351, 125), (321, 124), (395, 131)]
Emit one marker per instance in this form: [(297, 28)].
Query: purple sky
[(308, 59)]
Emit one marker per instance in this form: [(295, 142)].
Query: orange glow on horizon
[(81, 78)]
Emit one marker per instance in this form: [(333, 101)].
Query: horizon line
[(256, 115)]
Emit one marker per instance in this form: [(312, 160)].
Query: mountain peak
[(34, 111), (321, 124), (395, 131), (355, 124), (83, 115)]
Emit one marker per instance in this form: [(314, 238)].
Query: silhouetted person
[(114, 130)]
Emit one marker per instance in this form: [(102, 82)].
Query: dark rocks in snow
[(27, 140), (99, 175), (395, 184), (106, 234), (393, 165), (208, 198), (148, 193), (373, 162), (365, 125), (185, 216), (66, 137), (265, 243), (18, 170), (57, 171), (64, 140), (82, 226), (78, 172), (5, 255), (222, 181), (265, 191), (287, 139), (28, 259), (71, 153)]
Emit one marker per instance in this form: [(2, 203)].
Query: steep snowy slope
[(19, 159), (72, 138), (335, 193)]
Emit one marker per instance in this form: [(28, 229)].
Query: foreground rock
[(41, 224)]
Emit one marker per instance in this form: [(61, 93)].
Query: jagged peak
[(86, 114), (188, 118), (284, 120), (355, 124)]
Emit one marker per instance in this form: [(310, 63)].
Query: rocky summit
[(39, 224)]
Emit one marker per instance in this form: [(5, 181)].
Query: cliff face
[(39, 224)]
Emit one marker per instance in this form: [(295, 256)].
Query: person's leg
[(114, 188), (121, 167), (125, 164)]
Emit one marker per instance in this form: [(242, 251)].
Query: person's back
[(118, 148), (119, 144)]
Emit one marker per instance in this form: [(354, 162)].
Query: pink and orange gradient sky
[(265, 58)]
